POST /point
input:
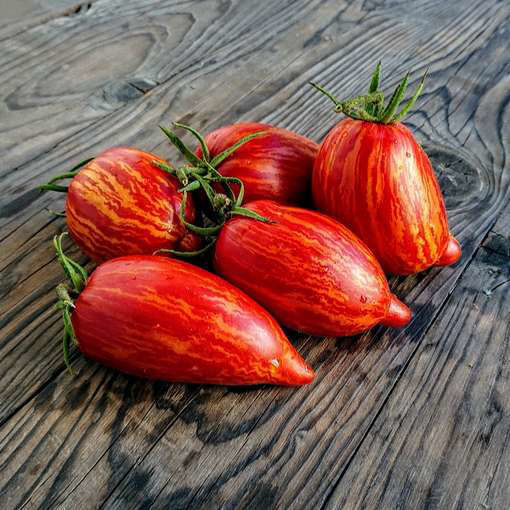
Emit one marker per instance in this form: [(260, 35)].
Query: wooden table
[(417, 418)]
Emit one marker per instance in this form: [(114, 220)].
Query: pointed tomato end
[(398, 315), (451, 254), (295, 371)]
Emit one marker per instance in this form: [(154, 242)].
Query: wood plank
[(250, 464), (20, 16), (443, 438), (62, 76), (253, 423), (23, 295), (223, 440), (179, 98)]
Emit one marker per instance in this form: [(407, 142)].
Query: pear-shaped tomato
[(276, 166), (373, 176), (165, 319), (312, 273), (120, 203)]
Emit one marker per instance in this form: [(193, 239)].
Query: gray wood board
[(119, 442)]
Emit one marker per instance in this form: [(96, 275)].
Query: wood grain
[(118, 442), (96, 63), (442, 439), (34, 219)]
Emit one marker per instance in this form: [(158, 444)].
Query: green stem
[(51, 186), (199, 176), (166, 168), (326, 93), (188, 254), (192, 186), (203, 231), (240, 195), (56, 213), (78, 276)]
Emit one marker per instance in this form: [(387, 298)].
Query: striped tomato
[(165, 319), (120, 203), (373, 176), (313, 274), (276, 166)]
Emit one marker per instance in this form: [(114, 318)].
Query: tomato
[(276, 166), (374, 177), (312, 273), (120, 203), (165, 319)]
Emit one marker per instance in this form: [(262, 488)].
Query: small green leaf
[(356, 107), (76, 273), (198, 136), (247, 213), (395, 100), (206, 187), (182, 147), (56, 213), (376, 79), (222, 156), (372, 108), (412, 101)]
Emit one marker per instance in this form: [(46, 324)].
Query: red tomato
[(276, 166), (121, 204), (377, 180), (165, 319), (313, 274)]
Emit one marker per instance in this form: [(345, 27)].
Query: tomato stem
[(78, 276), (201, 175), (370, 107), (188, 254)]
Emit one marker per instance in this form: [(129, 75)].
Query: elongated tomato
[(120, 203), (373, 176), (378, 181), (313, 274), (165, 319), (277, 166)]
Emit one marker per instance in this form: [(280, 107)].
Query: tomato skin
[(308, 270), (277, 166), (121, 204), (378, 181), (165, 319)]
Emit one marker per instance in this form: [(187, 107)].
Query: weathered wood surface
[(411, 419)]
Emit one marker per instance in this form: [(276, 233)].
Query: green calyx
[(202, 174), (371, 107), (66, 295)]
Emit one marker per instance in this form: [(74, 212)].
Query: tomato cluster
[(143, 311)]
